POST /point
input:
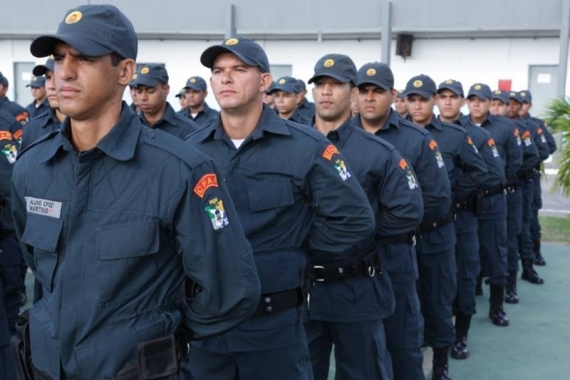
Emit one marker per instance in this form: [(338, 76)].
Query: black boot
[(440, 366), (459, 350), (479, 285), (538, 259), (511, 294), (529, 274), (496, 311)]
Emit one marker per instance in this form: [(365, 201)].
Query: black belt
[(511, 187), (409, 238), (272, 303), (494, 191), (364, 266), (429, 227)]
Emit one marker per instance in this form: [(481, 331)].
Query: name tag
[(43, 207)]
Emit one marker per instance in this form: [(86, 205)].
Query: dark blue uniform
[(466, 170), (112, 233), (19, 113), (404, 329), (206, 116), (348, 314), (294, 194), (39, 126), (298, 117), (172, 123), (307, 109), (35, 111), (10, 281)]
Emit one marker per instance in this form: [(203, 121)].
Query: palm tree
[(558, 120)]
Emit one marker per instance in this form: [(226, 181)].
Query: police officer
[(269, 96), (400, 105), (437, 265), (493, 206), (152, 90), (51, 119), (545, 135), (286, 92), (305, 107), (196, 107), (346, 310), (405, 328), (40, 103), (12, 108), (294, 193), (533, 152), (113, 216)]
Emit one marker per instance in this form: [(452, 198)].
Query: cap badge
[(523, 93), (34, 79), (281, 81), (370, 72), (192, 80), (497, 92), (449, 81), (134, 76), (145, 70), (418, 83), (513, 94), (73, 17), (232, 41), (477, 87), (329, 63)]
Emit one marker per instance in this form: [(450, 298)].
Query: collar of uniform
[(436, 123), (393, 120), (167, 117), (342, 133), (485, 123), (119, 143)]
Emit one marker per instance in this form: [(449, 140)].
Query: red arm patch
[(330, 151), (432, 144), (5, 135), (403, 164), (207, 181)]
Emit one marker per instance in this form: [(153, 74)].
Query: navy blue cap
[(181, 93), (37, 82), (286, 84), (401, 94), (421, 85), (526, 96), (196, 83), (150, 76), (3, 80), (515, 96), (480, 90), (251, 53), (376, 73), (337, 66), (42, 69), (451, 85), (501, 95), (301, 85), (94, 30)]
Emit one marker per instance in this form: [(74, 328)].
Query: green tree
[(558, 120)]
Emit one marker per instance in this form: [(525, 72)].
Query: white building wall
[(467, 60)]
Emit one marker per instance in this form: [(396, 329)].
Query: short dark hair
[(115, 59)]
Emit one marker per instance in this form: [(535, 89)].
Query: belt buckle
[(414, 240), (371, 271), (320, 268)]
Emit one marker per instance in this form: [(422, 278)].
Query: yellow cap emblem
[(192, 80), (281, 81), (523, 93), (134, 76), (477, 87), (34, 79), (497, 92), (329, 63), (418, 83), (370, 72), (513, 94), (232, 41), (449, 81), (145, 70), (73, 17)]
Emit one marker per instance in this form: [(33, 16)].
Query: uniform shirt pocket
[(42, 233), (125, 254)]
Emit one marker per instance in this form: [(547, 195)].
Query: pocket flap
[(277, 193), (42, 232), (130, 240)]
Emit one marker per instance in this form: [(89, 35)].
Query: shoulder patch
[(329, 152), (432, 144), (403, 165), (5, 135), (204, 183)]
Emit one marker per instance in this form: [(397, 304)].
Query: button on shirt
[(293, 192), (39, 126), (111, 233), (420, 150), (172, 123)]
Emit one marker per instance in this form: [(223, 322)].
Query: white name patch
[(43, 207)]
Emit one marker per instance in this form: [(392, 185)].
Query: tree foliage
[(558, 120)]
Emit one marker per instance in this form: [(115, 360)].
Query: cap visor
[(478, 95), (441, 88), (423, 94), (147, 82), (374, 82), (40, 70), (44, 46), (194, 87), (285, 88), (341, 78)]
